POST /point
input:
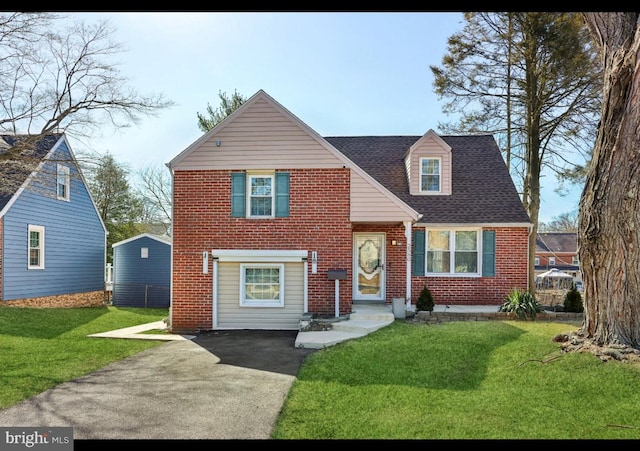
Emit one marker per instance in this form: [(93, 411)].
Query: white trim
[(40, 230), (305, 295), (214, 309), (269, 303), (271, 176), (408, 236), (420, 175), (143, 235), (261, 94), (452, 252), (485, 225), (63, 170), (258, 256)]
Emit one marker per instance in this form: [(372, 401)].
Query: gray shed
[(142, 271)]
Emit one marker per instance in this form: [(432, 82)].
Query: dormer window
[(430, 175)]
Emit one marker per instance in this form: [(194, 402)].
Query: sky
[(343, 74)]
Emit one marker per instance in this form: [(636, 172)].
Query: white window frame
[(552, 261), (244, 302), (452, 251), (574, 260), (439, 160), (40, 230), (144, 252), (536, 261), (63, 171), (251, 177)]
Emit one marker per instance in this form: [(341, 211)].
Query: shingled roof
[(554, 242), (482, 189), (14, 171)]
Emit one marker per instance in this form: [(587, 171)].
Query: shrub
[(425, 300), (573, 300), (522, 303)]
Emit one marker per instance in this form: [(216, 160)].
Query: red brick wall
[(318, 220), (561, 258), (511, 272)]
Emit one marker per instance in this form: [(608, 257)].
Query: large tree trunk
[(609, 218)]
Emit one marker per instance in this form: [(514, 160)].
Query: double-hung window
[(453, 252), (430, 175), (260, 201), (262, 285), (36, 247), (260, 194), (62, 182)]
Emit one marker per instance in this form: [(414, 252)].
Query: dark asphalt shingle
[(482, 189)]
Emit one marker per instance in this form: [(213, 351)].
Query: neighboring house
[(142, 271), (53, 241), (272, 221), (558, 250)]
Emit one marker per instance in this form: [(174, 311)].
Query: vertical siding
[(74, 240), (232, 316), (142, 282)]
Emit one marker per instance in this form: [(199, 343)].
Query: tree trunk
[(609, 218)]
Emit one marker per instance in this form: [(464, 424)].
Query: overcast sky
[(340, 73)]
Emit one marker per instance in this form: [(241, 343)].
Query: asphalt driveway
[(220, 385)]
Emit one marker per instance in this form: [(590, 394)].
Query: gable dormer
[(428, 165)]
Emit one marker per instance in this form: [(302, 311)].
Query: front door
[(368, 259)]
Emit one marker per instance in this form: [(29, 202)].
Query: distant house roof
[(161, 239), (557, 242), (18, 169), (482, 189)]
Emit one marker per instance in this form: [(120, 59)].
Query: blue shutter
[(282, 194), (238, 189), (488, 253), (418, 252)]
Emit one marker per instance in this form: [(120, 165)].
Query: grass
[(458, 380), (41, 348), (461, 380)]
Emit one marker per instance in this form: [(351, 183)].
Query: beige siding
[(429, 147), (261, 138), (232, 316), (370, 205)]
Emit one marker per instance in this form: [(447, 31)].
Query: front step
[(363, 320)]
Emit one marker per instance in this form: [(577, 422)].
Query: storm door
[(368, 259)]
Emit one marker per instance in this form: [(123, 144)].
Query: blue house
[(142, 272), (52, 239)]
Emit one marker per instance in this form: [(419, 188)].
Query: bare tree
[(609, 232), (564, 222), (61, 76), (155, 191)]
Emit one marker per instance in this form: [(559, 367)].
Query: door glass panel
[(369, 255)]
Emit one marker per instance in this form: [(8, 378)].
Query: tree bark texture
[(609, 217)]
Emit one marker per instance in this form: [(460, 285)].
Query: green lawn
[(41, 348), (461, 380), (458, 380)]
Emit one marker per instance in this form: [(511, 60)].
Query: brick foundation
[(89, 299)]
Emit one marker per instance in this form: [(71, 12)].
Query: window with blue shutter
[(488, 253), (282, 194), (238, 187), (418, 252)]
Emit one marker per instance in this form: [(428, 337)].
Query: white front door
[(368, 273)]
